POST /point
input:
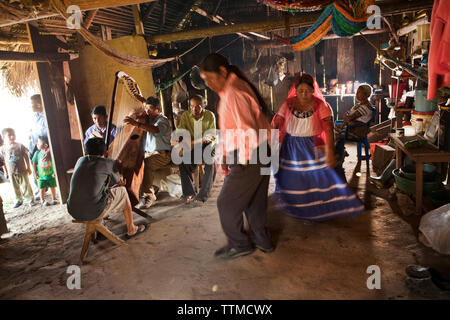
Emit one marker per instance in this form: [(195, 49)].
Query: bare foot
[(135, 229)]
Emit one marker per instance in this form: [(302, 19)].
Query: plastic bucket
[(422, 104), (426, 116)]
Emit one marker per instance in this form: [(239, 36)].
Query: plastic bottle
[(419, 126)]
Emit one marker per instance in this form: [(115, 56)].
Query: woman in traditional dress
[(306, 181)]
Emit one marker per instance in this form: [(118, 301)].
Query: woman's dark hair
[(99, 110), (95, 147), (306, 79), (214, 61)]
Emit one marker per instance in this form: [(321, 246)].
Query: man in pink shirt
[(241, 112)]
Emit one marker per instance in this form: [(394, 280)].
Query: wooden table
[(425, 154)]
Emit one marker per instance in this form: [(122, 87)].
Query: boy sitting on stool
[(91, 195)]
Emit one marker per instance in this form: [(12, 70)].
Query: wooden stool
[(91, 229)]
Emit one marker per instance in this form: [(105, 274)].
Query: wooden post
[(65, 151), (106, 32), (138, 25)]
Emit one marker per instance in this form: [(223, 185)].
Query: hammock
[(122, 58), (296, 6), (345, 18)]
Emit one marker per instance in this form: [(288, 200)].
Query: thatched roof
[(17, 76)]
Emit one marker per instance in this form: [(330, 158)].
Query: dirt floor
[(174, 259)]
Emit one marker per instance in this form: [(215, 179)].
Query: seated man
[(98, 129), (157, 146), (97, 190), (203, 120)]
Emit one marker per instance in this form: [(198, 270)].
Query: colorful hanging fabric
[(294, 6), (345, 18)]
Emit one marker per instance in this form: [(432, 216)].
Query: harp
[(128, 145)]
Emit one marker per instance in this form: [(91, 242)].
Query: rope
[(122, 58), (169, 84)]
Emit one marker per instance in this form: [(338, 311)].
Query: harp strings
[(125, 103)]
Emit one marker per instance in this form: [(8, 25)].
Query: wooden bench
[(92, 227)]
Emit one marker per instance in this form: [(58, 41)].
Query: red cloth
[(322, 110), (439, 56)]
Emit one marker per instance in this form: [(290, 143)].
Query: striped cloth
[(309, 189)]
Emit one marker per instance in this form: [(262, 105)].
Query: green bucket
[(409, 185), (409, 172)]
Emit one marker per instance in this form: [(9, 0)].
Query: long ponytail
[(214, 61)]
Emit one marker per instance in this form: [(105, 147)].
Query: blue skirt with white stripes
[(308, 187)]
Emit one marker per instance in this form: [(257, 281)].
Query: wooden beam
[(412, 26), (27, 14), (106, 32), (138, 25), (218, 20), (304, 20), (89, 18), (51, 78), (261, 26), (13, 40), (149, 11), (36, 57), (97, 4)]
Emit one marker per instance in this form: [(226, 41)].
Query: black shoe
[(419, 272), (231, 253), (424, 287), (265, 250)]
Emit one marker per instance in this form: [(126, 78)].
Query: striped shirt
[(363, 111)]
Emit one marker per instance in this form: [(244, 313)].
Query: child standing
[(17, 167), (42, 163)]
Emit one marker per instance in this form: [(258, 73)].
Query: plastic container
[(422, 104), (409, 186), (409, 172), (419, 126), (409, 131), (425, 116)]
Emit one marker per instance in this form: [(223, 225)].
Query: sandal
[(138, 231)]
